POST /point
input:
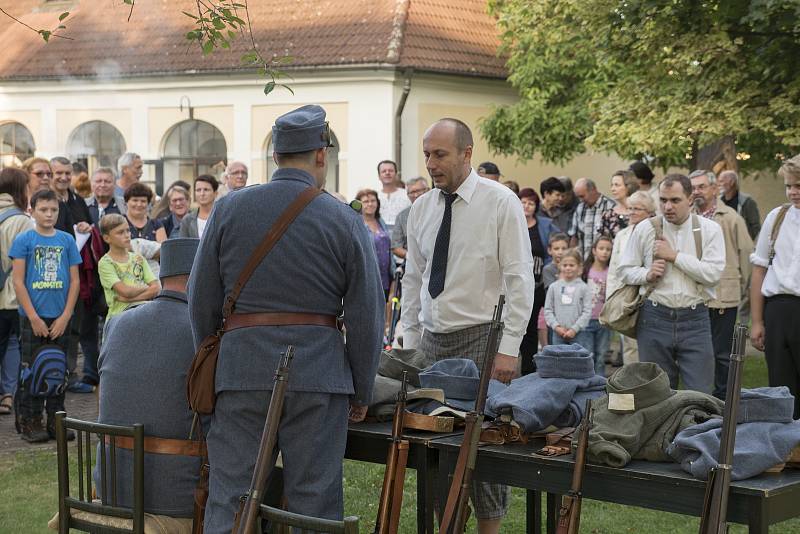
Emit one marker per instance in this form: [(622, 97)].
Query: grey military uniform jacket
[(323, 263), (143, 366)]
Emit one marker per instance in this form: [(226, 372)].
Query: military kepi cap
[(301, 130), (177, 256)]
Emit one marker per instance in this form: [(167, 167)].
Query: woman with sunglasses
[(40, 174)]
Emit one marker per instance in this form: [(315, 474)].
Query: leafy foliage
[(217, 24), (656, 77)]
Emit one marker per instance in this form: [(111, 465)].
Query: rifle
[(394, 476), (715, 504), (455, 511), (569, 516), (246, 520), (395, 300)]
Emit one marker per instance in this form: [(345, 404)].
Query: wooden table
[(369, 442), (757, 502)]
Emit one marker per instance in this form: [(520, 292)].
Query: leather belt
[(182, 447), (245, 320)]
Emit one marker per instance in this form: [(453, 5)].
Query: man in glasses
[(415, 188), (235, 175), (723, 307)]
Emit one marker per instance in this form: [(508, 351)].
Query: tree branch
[(15, 19)]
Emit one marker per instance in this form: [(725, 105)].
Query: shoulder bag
[(621, 310), (200, 383)]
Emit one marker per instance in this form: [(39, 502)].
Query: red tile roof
[(451, 36)]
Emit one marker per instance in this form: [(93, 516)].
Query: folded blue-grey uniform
[(323, 264), (765, 436), (143, 380), (538, 400)]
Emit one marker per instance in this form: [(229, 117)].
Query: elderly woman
[(539, 228), (138, 197), (381, 238), (623, 185), (178, 199), (205, 193), (641, 207)]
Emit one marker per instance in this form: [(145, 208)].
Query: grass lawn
[(28, 496)]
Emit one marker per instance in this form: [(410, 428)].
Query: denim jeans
[(679, 341), (9, 351), (597, 338)]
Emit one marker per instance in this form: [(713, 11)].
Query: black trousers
[(723, 321), (530, 341), (782, 344)]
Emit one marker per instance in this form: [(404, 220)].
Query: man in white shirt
[(673, 329), (467, 243), (393, 199), (775, 288)]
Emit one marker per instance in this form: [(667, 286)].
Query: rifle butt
[(397, 487)]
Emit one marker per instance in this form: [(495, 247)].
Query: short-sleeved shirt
[(134, 272), (47, 263)]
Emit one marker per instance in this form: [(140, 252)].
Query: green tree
[(656, 77)]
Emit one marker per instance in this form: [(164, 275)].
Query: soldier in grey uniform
[(323, 264), (143, 368)]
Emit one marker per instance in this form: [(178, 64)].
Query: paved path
[(79, 405)]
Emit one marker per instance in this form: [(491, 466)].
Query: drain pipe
[(398, 121)]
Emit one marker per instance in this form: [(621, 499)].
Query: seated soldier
[(143, 368)]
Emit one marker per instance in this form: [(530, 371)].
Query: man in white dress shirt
[(673, 329), (393, 198), (775, 288), (467, 243)]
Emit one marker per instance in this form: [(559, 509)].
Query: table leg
[(757, 520), (553, 505), (426, 473), (533, 512)]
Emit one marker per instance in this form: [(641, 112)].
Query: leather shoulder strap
[(697, 232), (275, 232), (776, 229)]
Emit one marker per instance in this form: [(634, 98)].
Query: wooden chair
[(88, 511), (281, 518)]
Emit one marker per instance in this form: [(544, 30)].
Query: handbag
[(621, 310), (200, 390)]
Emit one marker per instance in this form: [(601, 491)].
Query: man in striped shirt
[(586, 219)]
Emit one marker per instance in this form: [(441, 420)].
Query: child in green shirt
[(126, 277)]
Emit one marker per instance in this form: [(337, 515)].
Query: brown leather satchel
[(200, 383)]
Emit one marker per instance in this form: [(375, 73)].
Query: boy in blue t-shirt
[(45, 276)]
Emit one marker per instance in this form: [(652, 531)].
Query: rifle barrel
[(264, 461), (715, 505)]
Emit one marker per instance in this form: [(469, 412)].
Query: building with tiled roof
[(383, 69)]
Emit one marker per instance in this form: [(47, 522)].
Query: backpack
[(47, 376), (11, 212)]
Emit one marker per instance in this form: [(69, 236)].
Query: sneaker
[(51, 430), (33, 431), (80, 387)]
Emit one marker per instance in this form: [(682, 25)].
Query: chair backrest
[(306, 523), (84, 502)]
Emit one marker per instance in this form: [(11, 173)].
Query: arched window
[(16, 144), (331, 181), (96, 144), (192, 148)]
